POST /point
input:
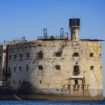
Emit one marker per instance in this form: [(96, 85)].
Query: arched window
[(76, 70)]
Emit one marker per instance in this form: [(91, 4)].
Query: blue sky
[(28, 18)]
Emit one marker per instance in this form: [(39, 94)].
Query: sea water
[(46, 102)]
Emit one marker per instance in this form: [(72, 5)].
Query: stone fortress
[(54, 64)]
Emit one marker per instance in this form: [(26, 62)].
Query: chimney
[(74, 25)]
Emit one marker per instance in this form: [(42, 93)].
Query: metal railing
[(50, 37)]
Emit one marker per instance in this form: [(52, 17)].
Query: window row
[(57, 67), (20, 56), (14, 82), (19, 68), (40, 55)]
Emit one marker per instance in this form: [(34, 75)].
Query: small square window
[(57, 67), (91, 54), (91, 67), (40, 67)]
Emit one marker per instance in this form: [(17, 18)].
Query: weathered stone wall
[(49, 66)]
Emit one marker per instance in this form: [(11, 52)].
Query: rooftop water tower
[(74, 25)]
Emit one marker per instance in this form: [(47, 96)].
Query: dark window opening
[(76, 81), (40, 44), (76, 70), (91, 67), (40, 54), (100, 67), (91, 54), (76, 63), (9, 57), (40, 67), (76, 55), (100, 54), (40, 81), (27, 55), (9, 70), (27, 67), (14, 57), (20, 68), (57, 67), (20, 56), (14, 68), (58, 54)]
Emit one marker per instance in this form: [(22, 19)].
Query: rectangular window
[(14, 57), (76, 54), (20, 56), (58, 54), (9, 57), (57, 67), (14, 69), (40, 67), (19, 68), (91, 54), (27, 67), (9, 70), (40, 81), (91, 67), (27, 55), (40, 54)]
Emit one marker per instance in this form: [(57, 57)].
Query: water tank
[(74, 23)]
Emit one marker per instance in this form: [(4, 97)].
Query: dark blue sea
[(45, 102)]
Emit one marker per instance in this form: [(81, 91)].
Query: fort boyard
[(52, 67)]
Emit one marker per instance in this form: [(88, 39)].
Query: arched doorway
[(76, 70)]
